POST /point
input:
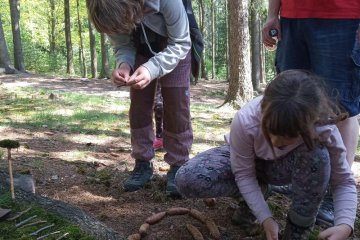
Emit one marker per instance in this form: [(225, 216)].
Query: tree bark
[(81, 48), (52, 25), (4, 53), (105, 70), (240, 88), (213, 43), (93, 50), (256, 66), (202, 28), (73, 214), (15, 25), (69, 53)]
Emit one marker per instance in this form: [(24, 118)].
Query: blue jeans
[(209, 175), (329, 48)]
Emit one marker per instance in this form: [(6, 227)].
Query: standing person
[(158, 115), (286, 136), (151, 40), (322, 38)]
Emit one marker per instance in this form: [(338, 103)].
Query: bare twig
[(63, 236), (41, 229), (33, 223), (49, 234), (19, 214), (25, 221)]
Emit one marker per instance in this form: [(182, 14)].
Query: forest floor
[(87, 168)]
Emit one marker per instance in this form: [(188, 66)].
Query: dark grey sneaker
[(141, 175), (325, 216), (171, 190)]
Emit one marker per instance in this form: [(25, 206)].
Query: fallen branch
[(41, 229), (25, 221), (18, 214)]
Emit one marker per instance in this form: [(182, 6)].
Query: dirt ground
[(96, 185)]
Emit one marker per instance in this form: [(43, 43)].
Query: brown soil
[(48, 154)]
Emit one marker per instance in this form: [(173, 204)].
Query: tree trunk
[(227, 41), (202, 28), (15, 25), (255, 46), (4, 53), (81, 48), (240, 88), (213, 44), (52, 25), (69, 53), (92, 50), (105, 70), (75, 215)]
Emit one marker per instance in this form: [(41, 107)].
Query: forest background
[(56, 37)]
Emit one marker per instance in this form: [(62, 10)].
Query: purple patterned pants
[(209, 175)]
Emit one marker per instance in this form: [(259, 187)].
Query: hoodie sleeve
[(242, 158), (123, 48)]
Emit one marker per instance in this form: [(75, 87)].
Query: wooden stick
[(63, 236), (49, 234), (11, 175), (33, 223), (19, 214), (41, 229), (25, 221)]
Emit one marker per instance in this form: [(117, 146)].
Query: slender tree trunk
[(52, 23), (204, 33), (4, 53), (255, 46), (240, 88), (92, 50), (69, 54), (81, 48), (227, 40), (105, 70), (15, 24), (213, 44)]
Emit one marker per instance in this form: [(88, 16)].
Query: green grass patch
[(8, 230), (71, 112)]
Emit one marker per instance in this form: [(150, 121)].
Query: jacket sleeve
[(123, 48), (342, 181), (242, 158), (179, 42)]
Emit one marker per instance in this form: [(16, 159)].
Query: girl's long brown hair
[(294, 103), (115, 16)]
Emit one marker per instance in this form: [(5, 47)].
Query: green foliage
[(7, 143)]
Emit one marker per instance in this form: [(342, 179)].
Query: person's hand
[(271, 23), (271, 229), (121, 75), (338, 232), (140, 78)]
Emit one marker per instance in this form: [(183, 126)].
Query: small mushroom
[(9, 144)]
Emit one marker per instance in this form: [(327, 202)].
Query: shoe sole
[(323, 223)]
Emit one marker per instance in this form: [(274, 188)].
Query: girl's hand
[(271, 229), (339, 232), (140, 79), (121, 75), (272, 23)]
